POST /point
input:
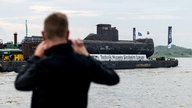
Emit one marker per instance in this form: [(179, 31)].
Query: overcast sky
[(145, 15)]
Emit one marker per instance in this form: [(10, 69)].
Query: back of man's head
[(56, 25)]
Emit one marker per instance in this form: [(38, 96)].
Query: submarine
[(106, 41)]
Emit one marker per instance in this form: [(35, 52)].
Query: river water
[(138, 88)]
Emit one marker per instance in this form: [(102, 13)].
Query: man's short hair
[(56, 25)]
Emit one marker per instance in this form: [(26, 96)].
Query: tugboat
[(11, 56)]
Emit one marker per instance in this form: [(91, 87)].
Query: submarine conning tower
[(106, 42), (105, 33)]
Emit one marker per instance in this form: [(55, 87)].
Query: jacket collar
[(60, 49)]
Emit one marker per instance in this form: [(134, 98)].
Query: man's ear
[(43, 35), (67, 35)]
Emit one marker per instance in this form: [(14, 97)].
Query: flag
[(169, 36), (139, 34)]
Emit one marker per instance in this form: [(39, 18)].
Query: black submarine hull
[(141, 46)]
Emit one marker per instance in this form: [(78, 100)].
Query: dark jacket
[(63, 78)]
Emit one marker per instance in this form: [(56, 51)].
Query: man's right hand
[(39, 51), (79, 47)]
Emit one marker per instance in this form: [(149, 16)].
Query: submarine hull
[(120, 47)]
